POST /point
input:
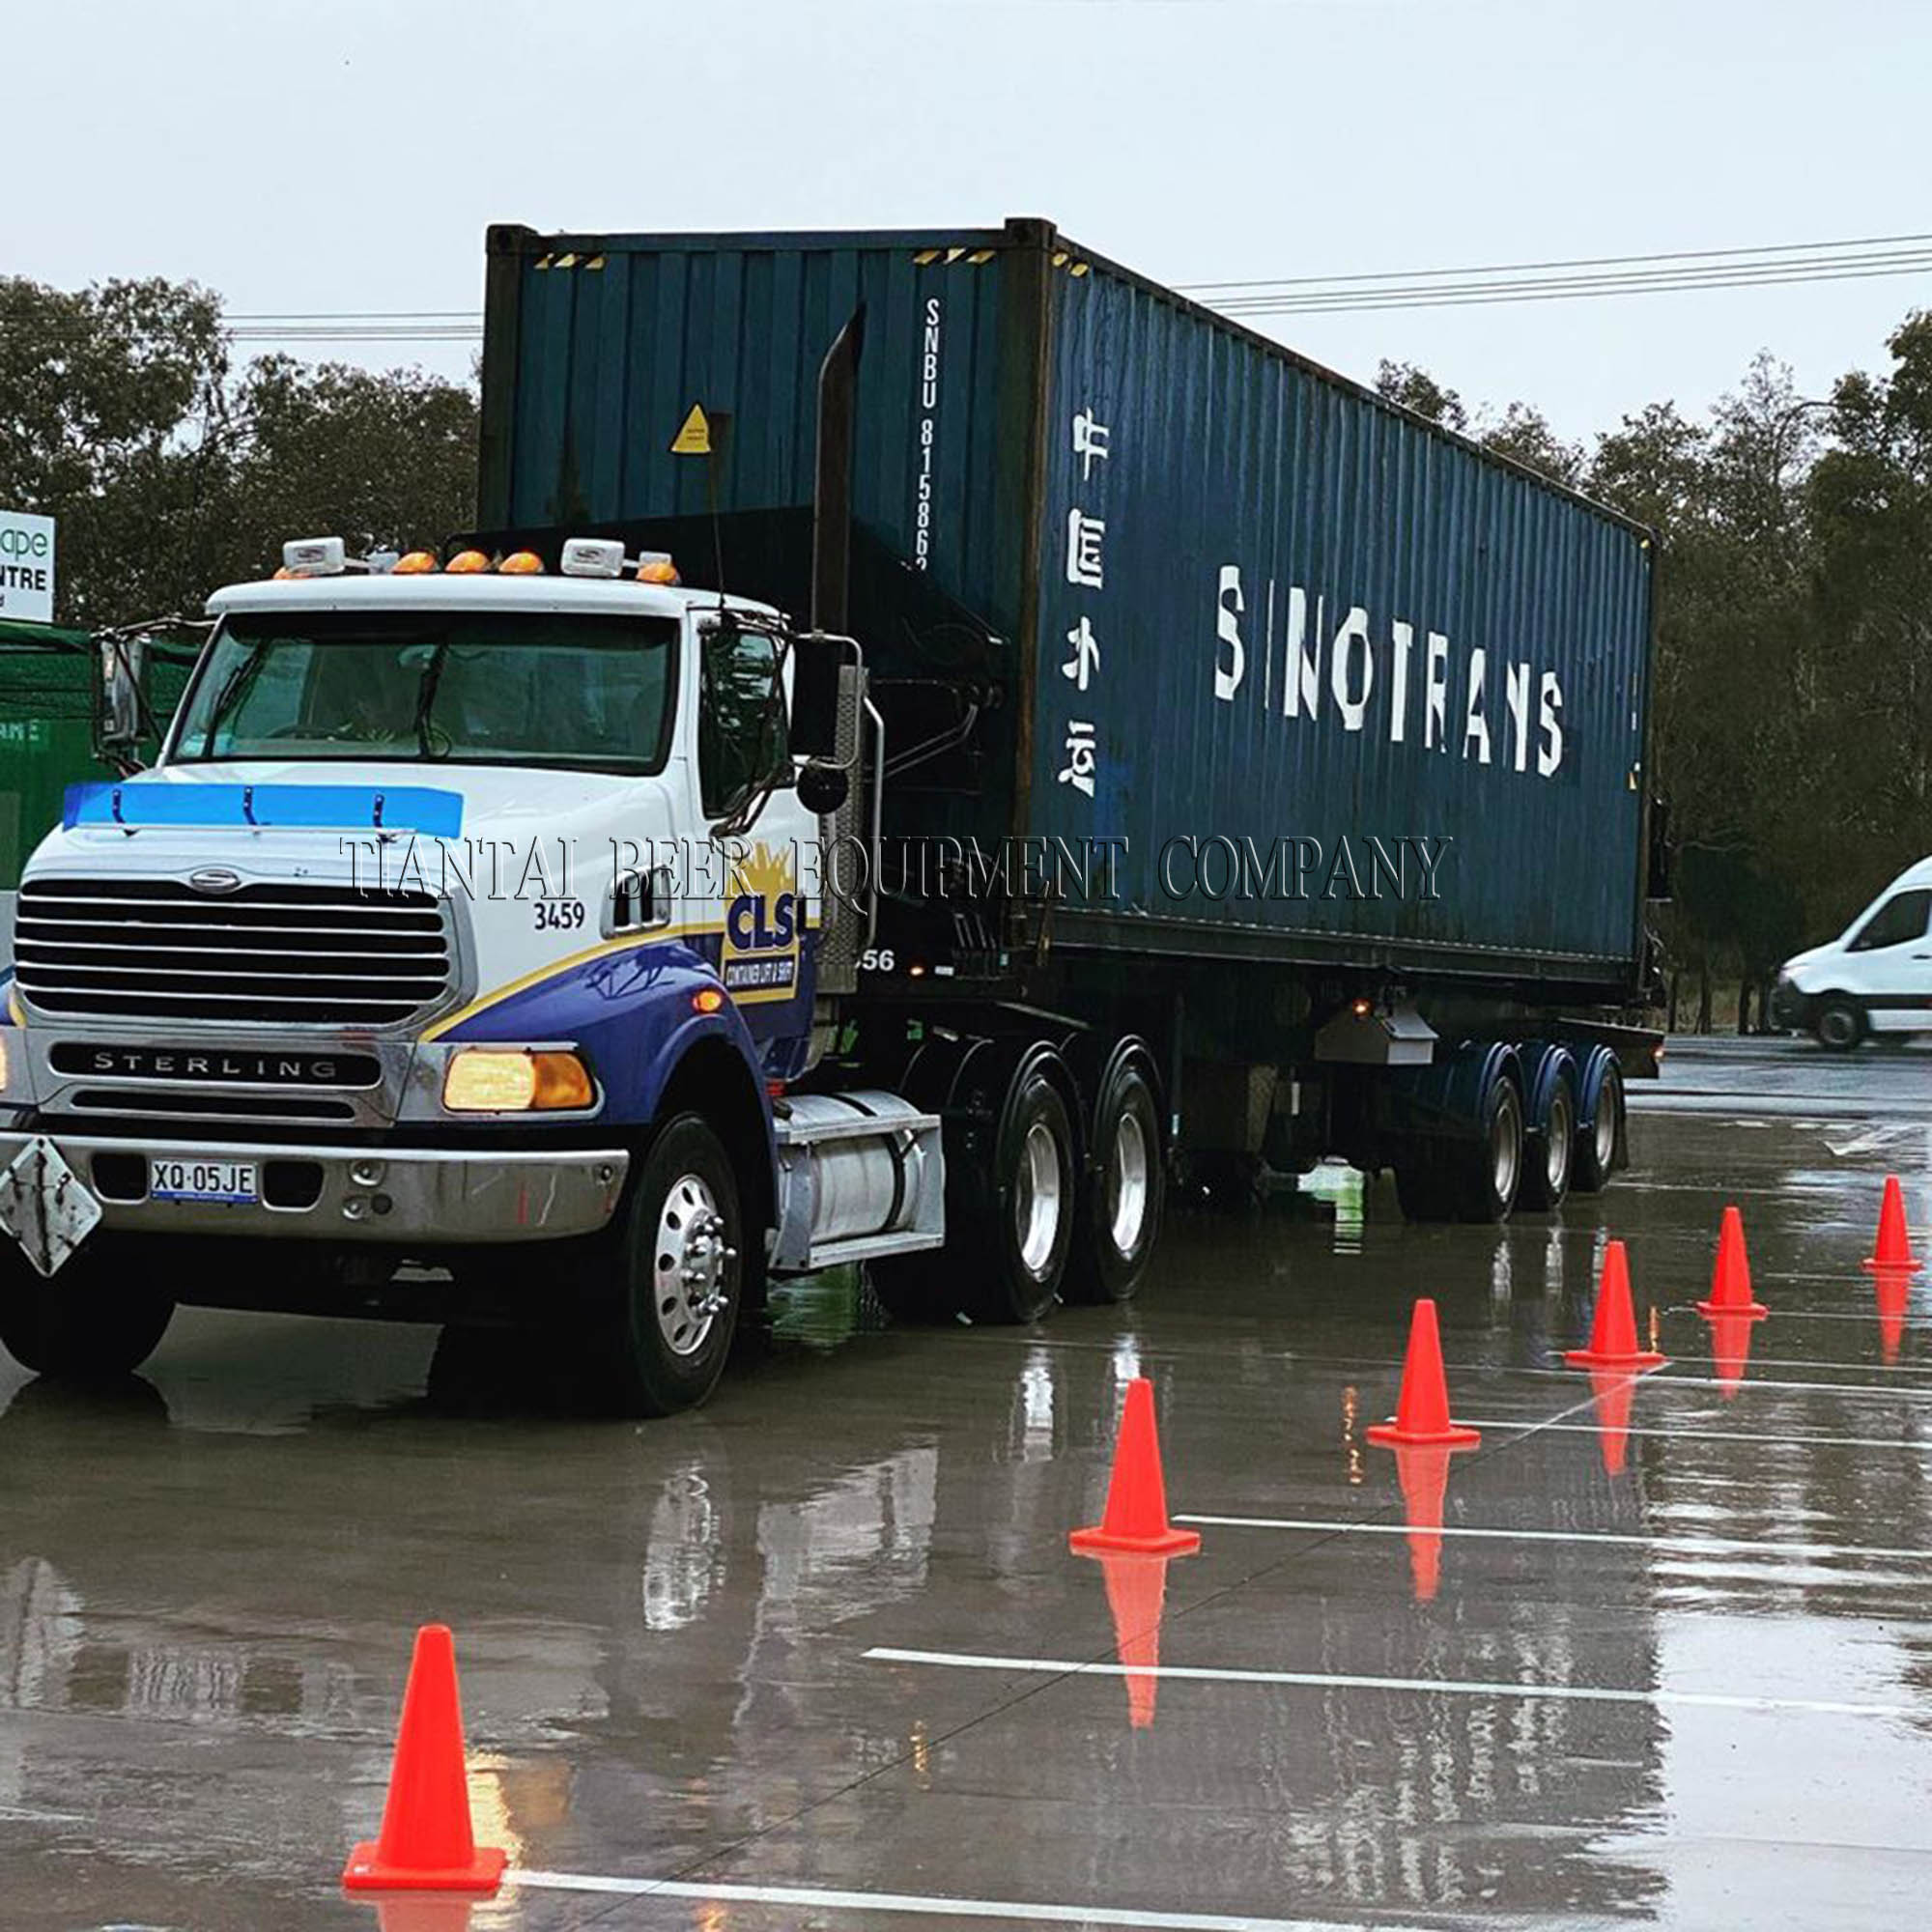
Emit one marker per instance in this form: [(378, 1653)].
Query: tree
[(170, 474), (114, 404), (1417, 390)]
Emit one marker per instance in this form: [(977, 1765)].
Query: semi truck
[(933, 742)]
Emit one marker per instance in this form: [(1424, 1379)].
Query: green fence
[(47, 728)]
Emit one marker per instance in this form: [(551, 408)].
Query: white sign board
[(26, 566)]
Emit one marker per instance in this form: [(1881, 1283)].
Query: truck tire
[(1492, 1165), (1599, 1145), (1839, 1023), (91, 1322), (1123, 1188), (676, 1273), (1549, 1149)]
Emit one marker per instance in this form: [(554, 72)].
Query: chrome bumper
[(407, 1196)]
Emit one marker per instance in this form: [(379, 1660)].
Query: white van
[(1876, 976)]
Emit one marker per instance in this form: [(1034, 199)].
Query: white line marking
[(1694, 1430), (1665, 1377), (908, 1904), (1663, 1545), (1324, 1680)]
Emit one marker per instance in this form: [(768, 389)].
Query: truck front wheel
[(89, 1324), (679, 1272)]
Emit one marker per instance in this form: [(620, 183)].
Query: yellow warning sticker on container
[(695, 437)]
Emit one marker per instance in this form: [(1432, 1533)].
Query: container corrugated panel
[(597, 348), (1144, 503), (1275, 610)]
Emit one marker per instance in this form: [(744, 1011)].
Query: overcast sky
[(348, 156)]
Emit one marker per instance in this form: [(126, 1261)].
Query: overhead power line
[(1580, 278)]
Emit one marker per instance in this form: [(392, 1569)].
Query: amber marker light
[(416, 563), (521, 563), (466, 563), (706, 1000)]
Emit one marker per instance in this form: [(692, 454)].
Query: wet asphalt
[(1668, 1663)]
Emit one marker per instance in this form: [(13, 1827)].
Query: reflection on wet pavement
[(1657, 1650)]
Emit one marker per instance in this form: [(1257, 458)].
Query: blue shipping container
[(1325, 681)]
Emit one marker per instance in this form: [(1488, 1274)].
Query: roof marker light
[(415, 563), (593, 557), (655, 566), (466, 563), (314, 556), (521, 563)]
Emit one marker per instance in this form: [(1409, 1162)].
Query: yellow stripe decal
[(658, 935)]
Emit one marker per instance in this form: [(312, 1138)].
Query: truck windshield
[(486, 687)]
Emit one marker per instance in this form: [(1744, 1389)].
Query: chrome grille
[(294, 954)]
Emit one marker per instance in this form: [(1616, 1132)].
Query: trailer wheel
[(89, 1324), (1124, 1189), (1549, 1153), (677, 1273), (1599, 1145), (1492, 1164)]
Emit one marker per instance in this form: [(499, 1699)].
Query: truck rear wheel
[(89, 1324), (677, 1273), (1011, 1172), (1124, 1189)]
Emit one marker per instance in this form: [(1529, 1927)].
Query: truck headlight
[(496, 1080)]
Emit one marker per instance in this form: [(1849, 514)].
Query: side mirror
[(117, 700), (818, 659), (822, 788)]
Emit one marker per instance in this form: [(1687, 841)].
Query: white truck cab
[(1875, 978), (459, 922)]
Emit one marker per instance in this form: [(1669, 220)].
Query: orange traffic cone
[(1895, 1244), (1614, 1393), (1614, 1331), (1894, 1295), (422, 1912), (1135, 1520), (1730, 1350), (1136, 1596), (426, 1843), (1424, 1475), (1730, 1280), (1422, 1411)]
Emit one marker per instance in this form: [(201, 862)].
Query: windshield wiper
[(234, 688), (426, 695)]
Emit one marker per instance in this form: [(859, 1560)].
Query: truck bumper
[(420, 1195)]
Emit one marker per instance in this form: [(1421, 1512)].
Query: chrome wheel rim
[(1604, 1135), (690, 1265), (1505, 1148), (1127, 1171), (1036, 1201), (1557, 1147)]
